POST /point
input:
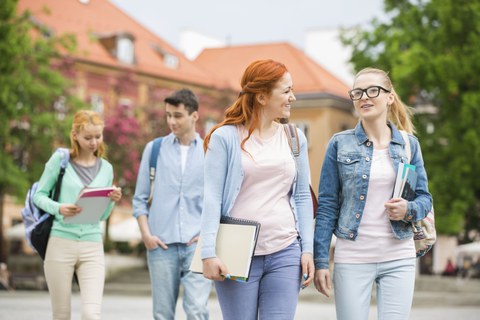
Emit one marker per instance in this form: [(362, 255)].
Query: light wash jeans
[(270, 293), (170, 268), (395, 281)]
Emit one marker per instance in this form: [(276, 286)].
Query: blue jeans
[(395, 281), (271, 292), (170, 268)]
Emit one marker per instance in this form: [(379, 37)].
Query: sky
[(249, 21)]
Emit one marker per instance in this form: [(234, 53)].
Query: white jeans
[(63, 258), (395, 282)]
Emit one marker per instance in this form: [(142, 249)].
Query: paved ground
[(26, 305), (127, 296)]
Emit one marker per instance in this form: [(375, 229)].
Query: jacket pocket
[(348, 165)]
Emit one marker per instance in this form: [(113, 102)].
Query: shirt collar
[(362, 136), (195, 141)]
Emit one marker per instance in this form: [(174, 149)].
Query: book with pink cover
[(94, 202)]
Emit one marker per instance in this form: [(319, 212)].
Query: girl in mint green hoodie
[(76, 248)]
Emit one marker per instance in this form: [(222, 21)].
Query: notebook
[(236, 241), (94, 202)]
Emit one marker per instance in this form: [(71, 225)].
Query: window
[(125, 50), (304, 127), (96, 101), (60, 106), (170, 61), (121, 45)]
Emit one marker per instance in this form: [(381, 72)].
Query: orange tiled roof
[(101, 17), (308, 77)]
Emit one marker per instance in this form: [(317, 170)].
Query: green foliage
[(431, 49), (34, 98)]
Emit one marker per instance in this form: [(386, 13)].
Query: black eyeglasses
[(371, 92)]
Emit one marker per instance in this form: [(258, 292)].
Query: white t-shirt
[(184, 153), (375, 241)]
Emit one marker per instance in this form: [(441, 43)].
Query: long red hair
[(260, 77)]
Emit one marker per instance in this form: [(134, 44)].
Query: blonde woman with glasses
[(373, 229)]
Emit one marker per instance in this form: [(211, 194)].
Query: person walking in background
[(76, 248), (171, 225), (250, 173), (374, 232)]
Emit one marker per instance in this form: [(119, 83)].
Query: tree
[(124, 137), (34, 99), (431, 50)]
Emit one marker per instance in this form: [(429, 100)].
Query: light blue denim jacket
[(344, 184), (223, 179)]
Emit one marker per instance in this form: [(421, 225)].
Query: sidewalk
[(430, 291), (127, 296), (26, 305)]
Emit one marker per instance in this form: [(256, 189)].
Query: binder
[(235, 246), (94, 202)]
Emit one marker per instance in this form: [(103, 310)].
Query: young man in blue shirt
[(171, 225)]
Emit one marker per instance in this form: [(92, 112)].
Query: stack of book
[(405, 182)]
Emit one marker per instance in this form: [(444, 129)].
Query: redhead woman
[(250, 174)]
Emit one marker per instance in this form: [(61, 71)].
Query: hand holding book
[(403, 192), (235, 247), (396, 208), (215, 269), (93, 203)]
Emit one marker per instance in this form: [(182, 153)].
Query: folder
[(94, 202), (235, 246)]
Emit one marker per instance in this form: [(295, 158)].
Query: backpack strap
[(65, 154), (293, 140), (157, 143), (408, 150)]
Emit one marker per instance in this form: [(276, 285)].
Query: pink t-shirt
[(269, 170), (375, 241)]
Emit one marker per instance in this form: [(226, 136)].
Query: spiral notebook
[(236, 241)]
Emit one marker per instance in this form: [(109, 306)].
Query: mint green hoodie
[(71, 187)]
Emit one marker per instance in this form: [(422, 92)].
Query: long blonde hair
[(260, 77), (398, 112), (80, 120)]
